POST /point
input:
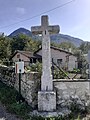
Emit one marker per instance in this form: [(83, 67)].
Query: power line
[(38, 14)]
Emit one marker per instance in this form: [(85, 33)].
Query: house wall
[(55, 54), (22, 57), (72, 62)]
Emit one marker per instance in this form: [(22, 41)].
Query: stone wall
[(70, 92), (7, 75), (30, 83)]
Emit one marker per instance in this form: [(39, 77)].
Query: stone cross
[(45, 30)]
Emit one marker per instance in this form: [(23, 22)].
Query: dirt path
[(4, 115)]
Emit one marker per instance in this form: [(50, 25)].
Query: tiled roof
[(55, 48), (26, 53)]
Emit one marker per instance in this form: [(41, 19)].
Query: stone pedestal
[(46, 101)]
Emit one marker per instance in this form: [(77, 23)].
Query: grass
[(8, 97)]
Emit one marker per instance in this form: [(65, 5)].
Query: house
[(62, 58), (26, 56)]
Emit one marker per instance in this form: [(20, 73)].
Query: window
[(18, 56), (34, 60), (59, 61)]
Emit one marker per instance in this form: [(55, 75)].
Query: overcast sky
[(73, 18)]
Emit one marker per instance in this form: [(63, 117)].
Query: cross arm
[(36, 30), (53, 29)]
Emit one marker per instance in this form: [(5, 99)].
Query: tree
[(5, 47), (32, 45), (67, 46), (18, 42), (24, 42), (84, 47)]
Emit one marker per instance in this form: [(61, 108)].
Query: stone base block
[(46, 101)]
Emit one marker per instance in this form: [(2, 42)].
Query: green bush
[(7, 94), (36, 67), (21, 109)]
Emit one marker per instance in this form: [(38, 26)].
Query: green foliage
[(78, 117), (21, 109), (54, 44), (7, 94), (5, 47), (79, 55), (18, 42), (84, 47), (36, 67), (67, 45), (48, 118), (57, 74), (55, 118), (32, 45), (23, 42), (8, 98)]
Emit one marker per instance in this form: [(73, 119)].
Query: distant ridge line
[(57, 38)]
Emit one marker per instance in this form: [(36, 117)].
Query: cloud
[(21, 10)]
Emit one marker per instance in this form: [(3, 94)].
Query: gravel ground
[(5, 115)]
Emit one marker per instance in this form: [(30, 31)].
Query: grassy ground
[(8, 97)]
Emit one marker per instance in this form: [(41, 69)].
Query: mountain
[(57, 38), (20, 31), (66, 38)]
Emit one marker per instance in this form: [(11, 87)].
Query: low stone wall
[(7, 75), (30, 83), (72, 92)]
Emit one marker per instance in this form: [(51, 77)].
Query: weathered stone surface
[(63, 112), (72, 88), (44, 29), (72, 93), (45, 25), (46, 101), (46, 97), (30, 84)]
